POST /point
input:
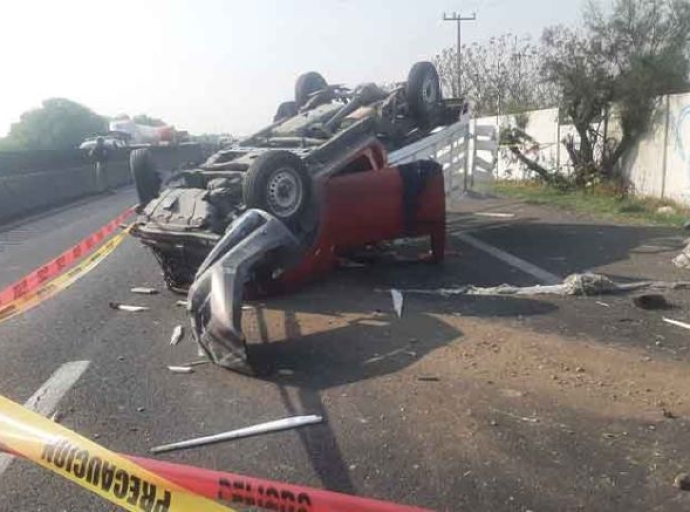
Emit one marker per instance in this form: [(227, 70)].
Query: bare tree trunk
[(531, 164), (586, 156), (609, 163)]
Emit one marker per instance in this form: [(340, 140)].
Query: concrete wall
[(543, 126), (29, 184), (658, 165)]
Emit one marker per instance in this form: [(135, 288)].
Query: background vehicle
[(110, 142)]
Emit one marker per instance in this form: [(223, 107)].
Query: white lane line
[(46, 398), (541, 274)]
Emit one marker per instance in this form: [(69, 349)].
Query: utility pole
[(458, 18)]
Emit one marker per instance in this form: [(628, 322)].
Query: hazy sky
[(224, 65)]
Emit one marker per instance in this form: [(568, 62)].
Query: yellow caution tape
[(50, 288), (111, 476)]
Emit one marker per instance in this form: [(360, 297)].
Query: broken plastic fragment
[(177, 335), (496, 215), (144, 291), (181, 369), (397, 301), (125, 307)]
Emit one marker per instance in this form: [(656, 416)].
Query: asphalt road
[(508, 421)]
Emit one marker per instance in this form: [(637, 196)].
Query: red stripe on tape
[(248, 491), (56, 266)]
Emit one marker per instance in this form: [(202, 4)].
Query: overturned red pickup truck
[(284, 205)]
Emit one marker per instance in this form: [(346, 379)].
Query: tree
[(59, 124), (630, 56), (501, 75), (148, 121)]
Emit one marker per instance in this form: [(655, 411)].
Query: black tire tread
[(415, 82), (306, 84)]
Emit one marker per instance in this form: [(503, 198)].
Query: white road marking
[(527, 267), (46, 398)]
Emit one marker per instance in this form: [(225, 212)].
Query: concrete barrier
[(28, 184)]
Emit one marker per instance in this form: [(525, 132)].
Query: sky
[(212, 66)]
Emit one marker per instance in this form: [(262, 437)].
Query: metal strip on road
[(46, 398), (525, 266)]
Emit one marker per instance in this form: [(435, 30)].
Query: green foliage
[(628, 55), (59, 124), (602, 201)]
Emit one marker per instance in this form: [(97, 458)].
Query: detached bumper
[(255, 243)]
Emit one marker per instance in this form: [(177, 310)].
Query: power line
[(458, 18)]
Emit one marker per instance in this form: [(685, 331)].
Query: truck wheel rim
[(284, 192), (429, 90)]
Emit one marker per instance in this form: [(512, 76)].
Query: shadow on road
[(368, 341)]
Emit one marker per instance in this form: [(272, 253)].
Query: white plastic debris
[(181, 369), (683, 259), (141, 290), (177, 335), (676, 323), (397, 301), (181, 303), (496, 215), (587, 284), (128, 308)]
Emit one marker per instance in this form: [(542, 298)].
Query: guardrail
[(460, 150)]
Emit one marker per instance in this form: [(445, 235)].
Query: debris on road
[(199, 362), (682, 481), (254, 430), (676, 323), (496, 215), (651, 301), (683, 259), (177, 335), (125, 307), (56, 416), (526, 419), (181, 303), (668, 414), (144, 291), (604, 304), (428, 378), (397, 301), (586, 284), (181, 369)]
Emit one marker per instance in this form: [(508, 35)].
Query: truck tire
[(278, 183), (144, 174), (306, 84), (423, 92), (286, 110)]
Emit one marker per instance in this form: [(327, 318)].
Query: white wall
[(658, 165)]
